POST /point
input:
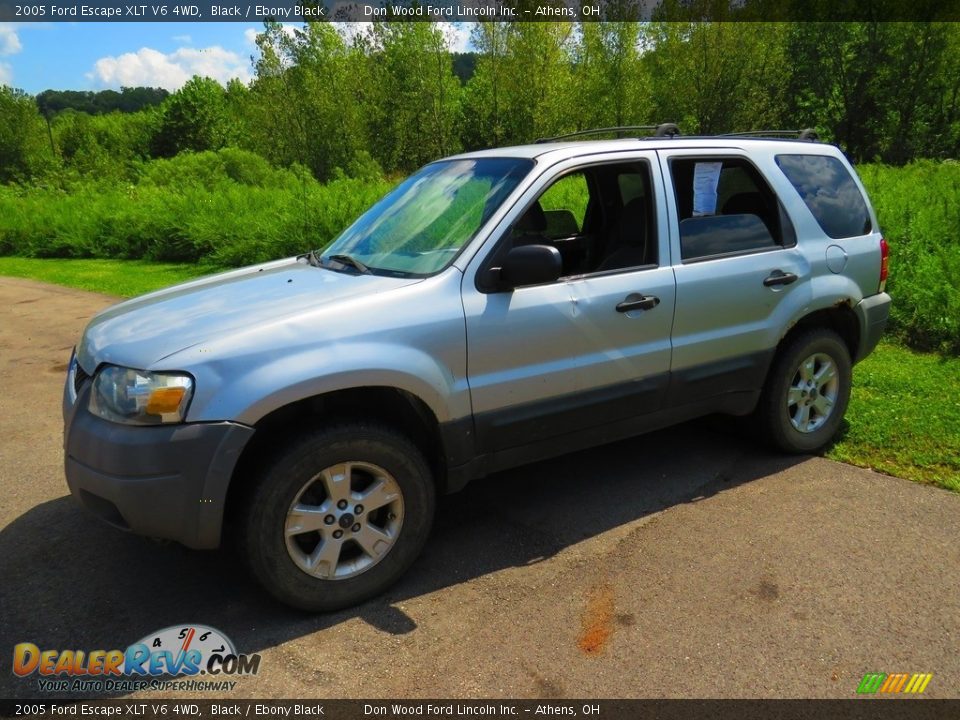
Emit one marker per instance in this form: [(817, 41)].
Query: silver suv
[(495, 308)]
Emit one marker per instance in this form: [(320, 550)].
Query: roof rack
[(661, 130), (805, 134), (671, 130)]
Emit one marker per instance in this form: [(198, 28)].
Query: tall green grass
[(227, 208), (918, 207)]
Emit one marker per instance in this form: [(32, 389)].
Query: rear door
[(736, 264)]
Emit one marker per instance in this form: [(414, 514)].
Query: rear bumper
[(161, 481), (873, 313)]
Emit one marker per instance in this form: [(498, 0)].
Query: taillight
[(884, 264)]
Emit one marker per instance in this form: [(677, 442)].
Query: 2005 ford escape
[(495, 308)]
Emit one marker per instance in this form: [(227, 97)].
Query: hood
[(144, 330)]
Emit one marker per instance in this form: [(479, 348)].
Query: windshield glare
[(420, 226)]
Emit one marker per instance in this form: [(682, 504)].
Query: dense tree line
[(394, 97), (128, 99)]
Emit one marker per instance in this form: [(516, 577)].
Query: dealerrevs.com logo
[(180, 651)]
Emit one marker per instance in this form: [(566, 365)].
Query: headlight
[(137, 397)]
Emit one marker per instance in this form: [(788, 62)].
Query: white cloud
[(289, 29), (170, 71), (457, 35), (9, 40), (6, 74)]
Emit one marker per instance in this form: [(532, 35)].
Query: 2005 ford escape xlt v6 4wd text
[(495, 308)]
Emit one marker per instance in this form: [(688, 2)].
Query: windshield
[(419, 227)]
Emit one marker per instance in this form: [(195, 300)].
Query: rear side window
[(726, 207), (831, 194)]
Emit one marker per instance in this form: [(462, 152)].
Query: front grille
[(79, 377)]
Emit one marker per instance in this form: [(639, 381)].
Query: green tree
[(881, 90), (418, 99), (128, 99), (613, 88), (944, 130), (196, 118), (718, 76), (523, 85), (305, 104), (25, 151), (104, 146), (484, 95)]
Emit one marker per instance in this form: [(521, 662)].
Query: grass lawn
[(903, 419), (112, 277)]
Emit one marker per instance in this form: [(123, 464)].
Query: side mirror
[(530, 265)]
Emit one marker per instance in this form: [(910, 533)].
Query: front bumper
[(165, 481), (873, 313)]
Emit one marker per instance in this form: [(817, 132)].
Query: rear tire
[(338, 516), (807, 391)]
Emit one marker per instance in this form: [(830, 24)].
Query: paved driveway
[(684, 563)]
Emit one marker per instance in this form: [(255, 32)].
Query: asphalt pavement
[(690, 562)]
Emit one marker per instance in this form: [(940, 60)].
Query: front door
[(592, 348)]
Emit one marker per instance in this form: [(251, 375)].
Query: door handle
[(778, 277), (636, 301)]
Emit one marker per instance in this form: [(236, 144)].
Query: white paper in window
[(706, 175)]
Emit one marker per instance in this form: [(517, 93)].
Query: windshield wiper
[(345, 259), (311, 257)]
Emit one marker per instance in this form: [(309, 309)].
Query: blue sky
[(95, 56)]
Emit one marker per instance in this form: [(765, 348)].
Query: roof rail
[(661, 130), (669, 130), (805, 134)]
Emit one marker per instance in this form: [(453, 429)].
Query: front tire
[(807, 391), (338, 516)]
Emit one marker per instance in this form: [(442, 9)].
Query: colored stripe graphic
[(871, 683), (894, 683), (922, 682)]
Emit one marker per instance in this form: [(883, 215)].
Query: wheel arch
[(771, 414), (839, 317), (391, 406)]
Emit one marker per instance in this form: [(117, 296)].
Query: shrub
[(918, 207), (229, 207)]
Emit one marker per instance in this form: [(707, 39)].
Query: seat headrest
[(533, 220), (745, 203), (633, 224)]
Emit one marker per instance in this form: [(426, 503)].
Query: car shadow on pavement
[(70, 582)]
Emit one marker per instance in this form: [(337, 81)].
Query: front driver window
[(600, 218), (564, 206)]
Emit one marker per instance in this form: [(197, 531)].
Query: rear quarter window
[(828, 190)]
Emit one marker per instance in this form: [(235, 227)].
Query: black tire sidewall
[(775, 417), (263, 530)]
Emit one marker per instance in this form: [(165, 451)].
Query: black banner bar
[(874, 708), (478, 10)]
